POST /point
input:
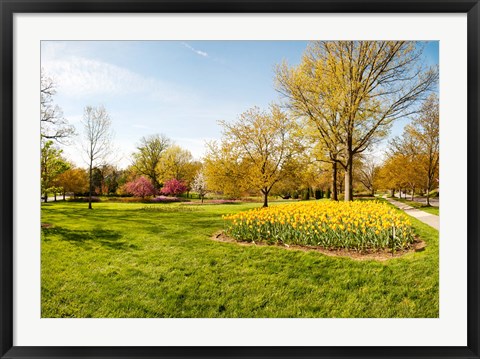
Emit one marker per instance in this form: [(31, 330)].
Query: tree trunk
[(349, 178), (428, 191), (413, 193), (265, 197), (393, 193), (54, 196), (334, 181), (90, 188), (45, 199), (155, 183), (64, 195)]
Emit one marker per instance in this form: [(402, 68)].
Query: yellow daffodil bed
[(358, 226)]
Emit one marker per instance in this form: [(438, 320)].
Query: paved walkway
[(59, 198), (434, 201), (430, 219)]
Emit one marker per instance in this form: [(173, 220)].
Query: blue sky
[(177, 88)]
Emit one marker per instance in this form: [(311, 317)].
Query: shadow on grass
[(104, 237)]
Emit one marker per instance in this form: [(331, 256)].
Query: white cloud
[(79, 76), (198, 52)]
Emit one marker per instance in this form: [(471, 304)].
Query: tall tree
[(425, 129), (309, 100), (367, 173), (54, 126), (419, 148), (354, 90), (400, 171), (147, 159), (391, 173), (52, 165), (97, 140), (261, 144)]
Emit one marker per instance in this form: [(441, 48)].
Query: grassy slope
[(157, 260), (421, 206)]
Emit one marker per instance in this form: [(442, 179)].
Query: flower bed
[(354, 225), (165, 199)]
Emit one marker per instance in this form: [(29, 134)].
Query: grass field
[(421, 206), (158, 260)]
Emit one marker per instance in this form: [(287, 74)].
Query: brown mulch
[(381, 255), (47, 225)]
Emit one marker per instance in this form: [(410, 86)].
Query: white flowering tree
[(200, 185)]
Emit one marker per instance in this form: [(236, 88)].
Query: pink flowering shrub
[(173, 187), (141, 187)]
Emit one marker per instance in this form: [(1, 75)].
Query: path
[(52, 199), (434, 201), (430, 219)]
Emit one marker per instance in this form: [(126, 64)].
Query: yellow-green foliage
[(354, 225)]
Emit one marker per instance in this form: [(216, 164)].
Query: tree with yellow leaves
[(177, 163), (224, 171), (352, 91), (416, 152), (74, 180), (254, 153), (425, 130)]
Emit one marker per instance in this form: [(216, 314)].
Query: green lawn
[(421, 206), (157, 260)]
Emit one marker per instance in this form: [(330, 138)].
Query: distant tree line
[(337, 104)]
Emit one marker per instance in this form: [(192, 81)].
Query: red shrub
[(173, 187), (141, 187)]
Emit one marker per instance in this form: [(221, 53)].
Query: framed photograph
[(238, 179)]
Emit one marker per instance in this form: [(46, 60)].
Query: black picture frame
[(9, 7)]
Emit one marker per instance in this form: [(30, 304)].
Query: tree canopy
[(97, 140), (53, 124), (146, 160), (255, 150), (352, 91)]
